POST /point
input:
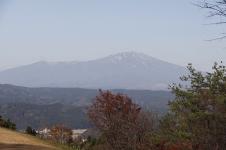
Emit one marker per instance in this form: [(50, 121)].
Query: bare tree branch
[(216, 8)]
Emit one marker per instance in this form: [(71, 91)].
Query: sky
[(79, 30)]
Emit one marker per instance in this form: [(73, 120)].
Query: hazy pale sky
[(66, 30)]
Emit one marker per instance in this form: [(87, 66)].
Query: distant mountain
[(41, 107), (129, 70)]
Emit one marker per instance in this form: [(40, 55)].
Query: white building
[(77, 132)]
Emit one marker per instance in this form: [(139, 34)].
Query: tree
[(216, 8), (122, 123), (61, 134), (198, 113), (7, 124), (31, 131)]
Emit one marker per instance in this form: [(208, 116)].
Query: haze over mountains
[(45, 107), (129, 70)]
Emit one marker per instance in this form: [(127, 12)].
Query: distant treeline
[(6, 123)]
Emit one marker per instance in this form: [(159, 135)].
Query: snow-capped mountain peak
[(129, 70), (130, 57)]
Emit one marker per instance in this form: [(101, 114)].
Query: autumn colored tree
[(121, 122), (61, 134), (198, 113)]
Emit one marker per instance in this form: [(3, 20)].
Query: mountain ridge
[(127, 70)]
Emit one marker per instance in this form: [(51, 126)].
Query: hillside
[(11, 140), (74, 96), (41, 107), (129, 70)]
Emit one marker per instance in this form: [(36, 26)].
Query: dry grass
[(10, 140)]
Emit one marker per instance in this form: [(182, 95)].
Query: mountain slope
[(127, 70), (12, 140), (75, 96), (44, 107)]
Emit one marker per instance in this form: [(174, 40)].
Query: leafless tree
[(216, 8)]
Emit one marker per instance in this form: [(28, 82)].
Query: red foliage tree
[(61, 134), (121, 121)]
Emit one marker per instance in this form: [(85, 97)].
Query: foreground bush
[(30, 131)]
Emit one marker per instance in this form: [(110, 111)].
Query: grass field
[(11, 140)]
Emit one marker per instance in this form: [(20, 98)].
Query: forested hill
[(40, 107), (75, 96)]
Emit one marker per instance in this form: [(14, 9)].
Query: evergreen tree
[(31, 131), (198, 113)]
